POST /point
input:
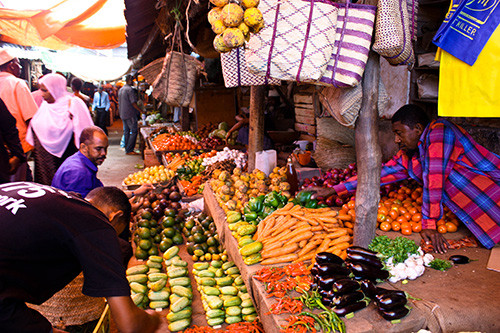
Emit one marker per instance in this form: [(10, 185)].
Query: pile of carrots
[(177, 162), (191, 187), (295, 234)]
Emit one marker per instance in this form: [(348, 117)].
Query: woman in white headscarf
[(55, 129)]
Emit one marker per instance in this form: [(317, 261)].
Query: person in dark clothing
[(11, 150)]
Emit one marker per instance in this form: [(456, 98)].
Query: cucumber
[(244, 296), (201, 265), (157, 285), (156, 259), (180, 304), (215, 321), (251, 248), (174, 298), (169, 262), (245, 240), (158, 295), (219, 272), (247, 230), (158, 304), (171, 252), (233, 301), (229, 290), (157, 276), (139, 269), (154, 270), (215, 303), (227, 265), (179, 325), (246, 303), (243, 288), (232, 319), (137, 298), (233, 311), (215, 313), (224, 281), (247, 311), (206, 273), (212, 291), (139, 278), (250, 318), (182, 291), (207, 281), (138, 288), (238, 281), (252, 259), (183, 314), (216, 263), (232, 270), (180, 281), (179, 262), (153, 264), (176, 272)]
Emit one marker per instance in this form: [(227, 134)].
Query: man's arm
[(106, 100), (95, 101), (130, 319), (10, 136), (25, 101)]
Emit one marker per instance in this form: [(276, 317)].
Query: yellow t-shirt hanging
[(471, 91)]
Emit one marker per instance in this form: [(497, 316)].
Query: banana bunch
[(233, 21)]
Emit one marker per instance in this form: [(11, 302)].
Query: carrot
[(349, 225), (317, 228), (345, 217), (287, 235), (272, 246), (319, 210), (303, 236), (341, 239), (287, 207), (323, 246), (280, 259), (308, 256), (303, 243), (327, 219), (337, 252), (289, 248), (268, 227), (338, 233), (309, 247), (286, 225), (340, 246), (265, 222), (343, 255)]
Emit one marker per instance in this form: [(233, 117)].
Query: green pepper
[(247, 209), (255, 205), (283, 199), (271, 200), (303, 197), (312, 204), (267, 211), (250, 216)]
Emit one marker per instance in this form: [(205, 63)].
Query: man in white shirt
[(100, 107)]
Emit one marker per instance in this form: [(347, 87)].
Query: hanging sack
[(296, 43), (392, 33), (175, 84), (466, 32), (352, 43), (235, 71)]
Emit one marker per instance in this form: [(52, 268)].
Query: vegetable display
[(153, 175)]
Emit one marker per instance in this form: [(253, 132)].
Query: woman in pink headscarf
[(55, 129)]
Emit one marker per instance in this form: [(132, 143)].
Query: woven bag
[(152, 70), (352, 44), (296, 43), (235, 71), (393, 40)]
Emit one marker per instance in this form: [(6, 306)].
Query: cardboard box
[(150, 158)]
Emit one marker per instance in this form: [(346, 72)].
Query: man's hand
[(144, 189), (319, 191), (439, 243), (14, 163), (136, 203), (163, 321)]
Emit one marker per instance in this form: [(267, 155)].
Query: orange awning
[(92, 24)]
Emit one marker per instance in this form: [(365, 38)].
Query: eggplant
[(389, 302), (369, 260), (329, 258), (344, 300), (345, 286), (332, 269), (326, 282), (326, 293), (342, 311), (368, 288), (362, 251), (459, 259), (363, 271), (315, 270), (394, 314), (381, 291), (326, 301)]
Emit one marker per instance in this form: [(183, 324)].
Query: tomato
[(413, 210), (450, 227), (351, 204), (393, 214), (396, 226), (442, 229), (381, 218), (417, 217), (385, 226), (417, 227), (440, 222), (401, 219), (383, 210), (351, 212), (402, 211), (405, 225), (408, 216), (406, 231)]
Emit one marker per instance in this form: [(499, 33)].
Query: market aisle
[(117, 165)]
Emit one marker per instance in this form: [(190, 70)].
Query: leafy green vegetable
[(440, 264), (399, 248)]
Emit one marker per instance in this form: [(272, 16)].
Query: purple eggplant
[(345, 286), (382, 291), (363, 271), (394, 314), (368, 288), (344, 300), (388, 302), (342, 311), (368, 260), (331, 269), (329, 258), (362, 251)]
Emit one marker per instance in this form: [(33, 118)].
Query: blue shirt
[(101, 101), (77, 174)]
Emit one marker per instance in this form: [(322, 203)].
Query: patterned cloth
[(454, 170), (47, 164)]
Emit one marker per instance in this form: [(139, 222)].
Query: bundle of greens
[(399, 248)]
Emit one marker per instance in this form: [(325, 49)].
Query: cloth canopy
[(93, 24)]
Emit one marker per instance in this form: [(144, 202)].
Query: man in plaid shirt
[(453, 169)]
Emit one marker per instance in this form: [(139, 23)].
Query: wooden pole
[(368, 156), (256, 131)]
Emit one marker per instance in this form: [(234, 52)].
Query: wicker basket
[(70, 307), (152, 70), (175, 84)]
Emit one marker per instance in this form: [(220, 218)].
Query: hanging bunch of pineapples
[(233, 21)]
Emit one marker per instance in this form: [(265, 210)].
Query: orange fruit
[(442, 229), (383, 210), (417, 217), (440, 222), (417, 227), (405, 225), (406, 231), (393, 214), (381, 217), (401, 219), (450, 227), (396, 226), (385, 226), (351, 204)]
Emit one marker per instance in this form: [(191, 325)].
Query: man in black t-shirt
[(47, 238)]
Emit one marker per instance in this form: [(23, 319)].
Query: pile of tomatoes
[(401, 210), (166, 141)]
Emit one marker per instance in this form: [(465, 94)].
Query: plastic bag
[(265, 161)]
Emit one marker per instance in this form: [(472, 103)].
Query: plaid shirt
[(454, 170)]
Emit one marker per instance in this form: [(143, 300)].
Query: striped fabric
[(352, 44), (297, 41), (455, 171)]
